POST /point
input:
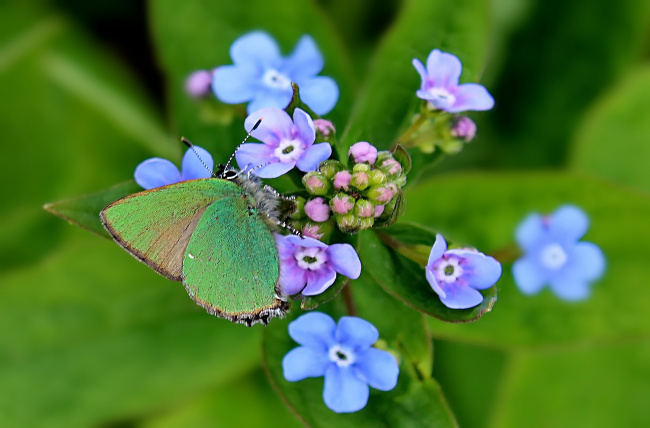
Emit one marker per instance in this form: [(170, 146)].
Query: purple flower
[(317, 210), (342, 353), (553, 255), (456, 275), (287, 143), (198, 83), (363, 151), (309, 267), (441, 89), (263, 77), (157, 172), (464, 128)]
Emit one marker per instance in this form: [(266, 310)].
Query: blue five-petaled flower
[(553, 255), (157, 172), (344, 355), (441, 89), (457, 275), (263, 77)]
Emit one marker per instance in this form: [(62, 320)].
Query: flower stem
[(507, 254), (348, 298)]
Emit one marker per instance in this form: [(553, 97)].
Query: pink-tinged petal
[(443, 69), (233, 84), (194, 166), (344, 260), (431, 278), (199, 83), (471, 96), (480, 271), (461, 296), (320, 93), (274, 170), (568, 223), (293, 279), (314, 329), (156, 172), (344, 392), (264, 97), (421, 70), (531, 232), (255, 49), (303, 362), (378, 368), (356, 333), (253, 154), (276, 125), (317, 210), (304, 126), (438, 249), (313, 156), (305, 60), (319, 281), (305, 242), (528, 277)]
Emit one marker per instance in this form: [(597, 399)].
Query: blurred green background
[(89, 89)]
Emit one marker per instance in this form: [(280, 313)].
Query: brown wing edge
[(278, 309), (135, 253)]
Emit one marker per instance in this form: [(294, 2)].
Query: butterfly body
[(213, 234)]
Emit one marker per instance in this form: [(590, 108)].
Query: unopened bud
[(379, 210), (316, 183), (381, 195), (360, 180), (391, 167), (463, 128), (324, 127), (330, 167), (342, 204), (364, 208), (376, 178), (342, 180), (199, 84), (361, 167), (299, 208), (317, 210), (363, 151), (348, 223), (366, 223)]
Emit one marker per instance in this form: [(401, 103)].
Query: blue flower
[(456, 275), (309, 266), (287, 143), (344, 355), (441, 89), (157, 172), (553, 255), (263, 77)]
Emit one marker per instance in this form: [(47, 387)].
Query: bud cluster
[(352, 198)]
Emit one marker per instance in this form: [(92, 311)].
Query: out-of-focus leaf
[(417, 399), (197, 34), (405, 279), (483, 211), (84, 210), (90, 335), (613, 140)]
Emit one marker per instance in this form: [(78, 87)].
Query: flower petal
[(443, 69), (570, 288), (293, 278), (313, 329), (378, 368), (194, 166), (156, 172), (421, 70), (438, 249), (305, 241), (569, 222), (313, 156), (431, 278), (320, 93), (344, 392), (528, 277), (305, 61), (587, 261), (479, 270), (276, 125), (356, 333), (461, 296), (471, 96), (531, 232), (256, 49), (233, 84), (276, 98), (319, 281), (344, 260), (305, 126), (253, 154), (303, 362), (274, 170)]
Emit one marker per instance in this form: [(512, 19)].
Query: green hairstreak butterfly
[(213, 234)]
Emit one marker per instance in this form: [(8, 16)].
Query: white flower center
[(276, 80), (341, 356), (553, 256), (311, 258), (289, 151), (441, 97), (447, 270)]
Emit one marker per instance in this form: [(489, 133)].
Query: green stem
[(348, 298)]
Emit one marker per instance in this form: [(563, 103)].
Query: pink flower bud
[(325, 127), (199, 83), (363, 152), (364, 208), (316, 183), (381, 195), (360, 180), (317, 210), (379, 210), (312, 230), (391, 167), (342, 180), (464, 128), (342, 203)]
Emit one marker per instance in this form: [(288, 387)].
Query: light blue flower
[(157, 172), (344, 355), (287, 143), (456, 275), (553, 255), (441, 89), (263, 77)]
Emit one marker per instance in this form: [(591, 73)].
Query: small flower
[(317, 210), (456, 275), (464, 128), (325, 127), (263, 77), (344, 355), (441, 89), (157, 172), (342, 180), (198, 83), (309, 267), (363, 151), (553, 255), (287, 143)]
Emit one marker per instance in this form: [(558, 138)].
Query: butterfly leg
[(287, 226)]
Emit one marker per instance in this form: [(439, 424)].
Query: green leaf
[(417, 399), (483, 210), (612, 140), (84, 211), (405, 279)]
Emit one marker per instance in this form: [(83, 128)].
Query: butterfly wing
[(155, 226), (231, 264)]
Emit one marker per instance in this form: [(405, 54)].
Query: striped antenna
[(189, 144), (242, 143)]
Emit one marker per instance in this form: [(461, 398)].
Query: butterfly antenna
[(189, 144), (242, 143), (253, 169)]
